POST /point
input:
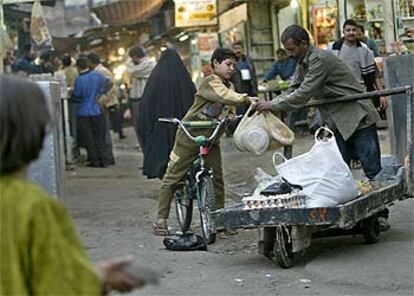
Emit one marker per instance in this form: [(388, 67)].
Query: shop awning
[(128, 12)]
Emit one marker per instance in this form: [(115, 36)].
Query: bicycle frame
[(203, 142), (198, 181)]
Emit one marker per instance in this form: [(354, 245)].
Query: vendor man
[(215, 93), (284, 67), (324, 75)]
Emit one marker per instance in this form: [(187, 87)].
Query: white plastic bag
[(251, 134), (255, 140), (326, 179), (261, 131)]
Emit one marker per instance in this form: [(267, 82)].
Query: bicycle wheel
[(207, 205), (183, 206)]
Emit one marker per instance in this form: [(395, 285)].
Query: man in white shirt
[(139, 69), (359, 58)]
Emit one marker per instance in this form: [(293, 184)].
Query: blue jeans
[(363, 144)]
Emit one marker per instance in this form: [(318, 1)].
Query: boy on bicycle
[(213, 98)]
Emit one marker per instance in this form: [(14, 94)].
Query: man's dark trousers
[(364, 144)]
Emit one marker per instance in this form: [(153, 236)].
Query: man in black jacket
[(244, 78)]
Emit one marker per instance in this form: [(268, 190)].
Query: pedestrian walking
[(24, 65), (372, 45), (284, 67), (108, 102), (169, 93), (116, 115), (139, 69), (360, 59), (69, 70), (244, 78), (89, 86)]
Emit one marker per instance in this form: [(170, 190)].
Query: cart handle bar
[(199, 124), (372, 94)]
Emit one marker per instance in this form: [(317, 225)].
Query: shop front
[(390, 23)]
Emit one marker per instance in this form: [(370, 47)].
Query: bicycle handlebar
[(199, 124)]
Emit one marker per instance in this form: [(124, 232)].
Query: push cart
[(285, 232)]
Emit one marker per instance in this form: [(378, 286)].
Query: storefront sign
[(233, 17), (195, 13)]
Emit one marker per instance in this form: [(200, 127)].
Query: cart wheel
[(283, 246), (371, 229), (267, 243)]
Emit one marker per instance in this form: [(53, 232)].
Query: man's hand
[(262, 106), (383, 103), (253, 100), (113, 277)]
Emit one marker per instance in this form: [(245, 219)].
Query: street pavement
[(114, 207)]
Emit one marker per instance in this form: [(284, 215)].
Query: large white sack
[(325, 177)]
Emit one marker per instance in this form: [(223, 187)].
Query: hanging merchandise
[(40, 35), (324, 176)]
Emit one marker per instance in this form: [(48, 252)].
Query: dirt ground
[(114, 208)]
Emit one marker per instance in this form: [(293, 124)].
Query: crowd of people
[(119, 100), (162, 89)]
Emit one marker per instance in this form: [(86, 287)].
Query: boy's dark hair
[(82, 63), (297, 33), (350, 22), (66, 60), (281, 51), (94, 58), (136, 51), (23, 120), (220, 54)]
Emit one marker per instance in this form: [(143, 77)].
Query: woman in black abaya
[(169, 93)]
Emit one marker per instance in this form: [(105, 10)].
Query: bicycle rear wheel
[(207, 205), (183, 207)]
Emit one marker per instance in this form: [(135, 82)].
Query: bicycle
[(198, 181)]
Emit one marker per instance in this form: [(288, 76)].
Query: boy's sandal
[(160, 230)]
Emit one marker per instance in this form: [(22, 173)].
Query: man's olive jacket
[(325, 76)]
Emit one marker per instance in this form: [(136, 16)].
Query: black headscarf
[(169, 93)]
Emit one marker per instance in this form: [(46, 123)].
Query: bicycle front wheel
[(183, 207), (207, 205)]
